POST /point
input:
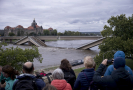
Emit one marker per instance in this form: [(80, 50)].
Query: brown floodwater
[(53, 55)]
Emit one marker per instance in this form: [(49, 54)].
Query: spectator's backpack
[(69, 77), (26, 83), (48, 78)]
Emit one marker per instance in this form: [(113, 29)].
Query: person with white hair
[(59, 82), (85, 76)]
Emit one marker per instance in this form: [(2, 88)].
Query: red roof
[(7, 27), (37, 26), (30, 28), (19, 26), (50, 29)]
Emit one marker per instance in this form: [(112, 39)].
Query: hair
[(88, 62), (49, 87), (65, 65), (58, 74), (10, 71), (28, 69)]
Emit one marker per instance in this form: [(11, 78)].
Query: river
[(59, 50)]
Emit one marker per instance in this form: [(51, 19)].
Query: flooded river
[(53, 54)]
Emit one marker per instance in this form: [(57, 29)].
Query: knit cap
[(119, 62), (119, 54)]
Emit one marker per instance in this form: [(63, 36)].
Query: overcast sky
[(74, 15)]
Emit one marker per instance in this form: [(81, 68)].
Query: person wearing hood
[(110, 68), (59, 82), (119, 79), (28, 69)]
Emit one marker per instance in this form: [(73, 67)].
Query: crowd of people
[(117, 76)]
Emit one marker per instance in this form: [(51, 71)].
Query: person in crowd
[(37, 74), (49, 87), (67, 69), (1, 74), (85, 76), (28, 69), (110, 68), (119, 79), (59, 82), (10, 76), (43, 73)]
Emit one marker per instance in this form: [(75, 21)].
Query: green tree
[(46, 32), (32, 34), (11, 34), (17, 56), (121, 30)]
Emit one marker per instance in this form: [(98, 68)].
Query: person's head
[(65, 64), (0, 69), (49, 87), (58, 74), (119, 54), (42, 71), (88, 62), (28, 67), (8, 71), (119, 62)]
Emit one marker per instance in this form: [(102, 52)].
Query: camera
[(109, 62), (2, 81)]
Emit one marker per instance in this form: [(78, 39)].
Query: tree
[(46, 32), (32, 34), (121, 30), (17, 56), (11, 34)]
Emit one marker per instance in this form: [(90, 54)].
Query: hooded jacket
[(61, 84), (119, 79), (110, 68), (39, 82), (81, 82)]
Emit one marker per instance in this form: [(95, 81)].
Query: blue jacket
[(39, 82), (81, 82), (110, 69)]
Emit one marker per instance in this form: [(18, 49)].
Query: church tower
[(34, 23)]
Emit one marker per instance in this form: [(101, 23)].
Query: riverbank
[(51, 69)]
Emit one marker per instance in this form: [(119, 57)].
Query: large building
[(20, 30)]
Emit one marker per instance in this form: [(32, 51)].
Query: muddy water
[(53, 55)]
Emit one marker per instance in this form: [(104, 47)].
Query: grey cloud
[(89, 15)]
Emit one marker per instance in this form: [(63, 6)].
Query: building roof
[(7, 27), (19, 26), (50, 28), (30, 28)]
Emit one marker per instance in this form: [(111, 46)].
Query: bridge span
[(38, 40), (54, 37), (92, 44)]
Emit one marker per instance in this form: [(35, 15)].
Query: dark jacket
[(39, 82), (81, 82), (120, 79), (73, 80)]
